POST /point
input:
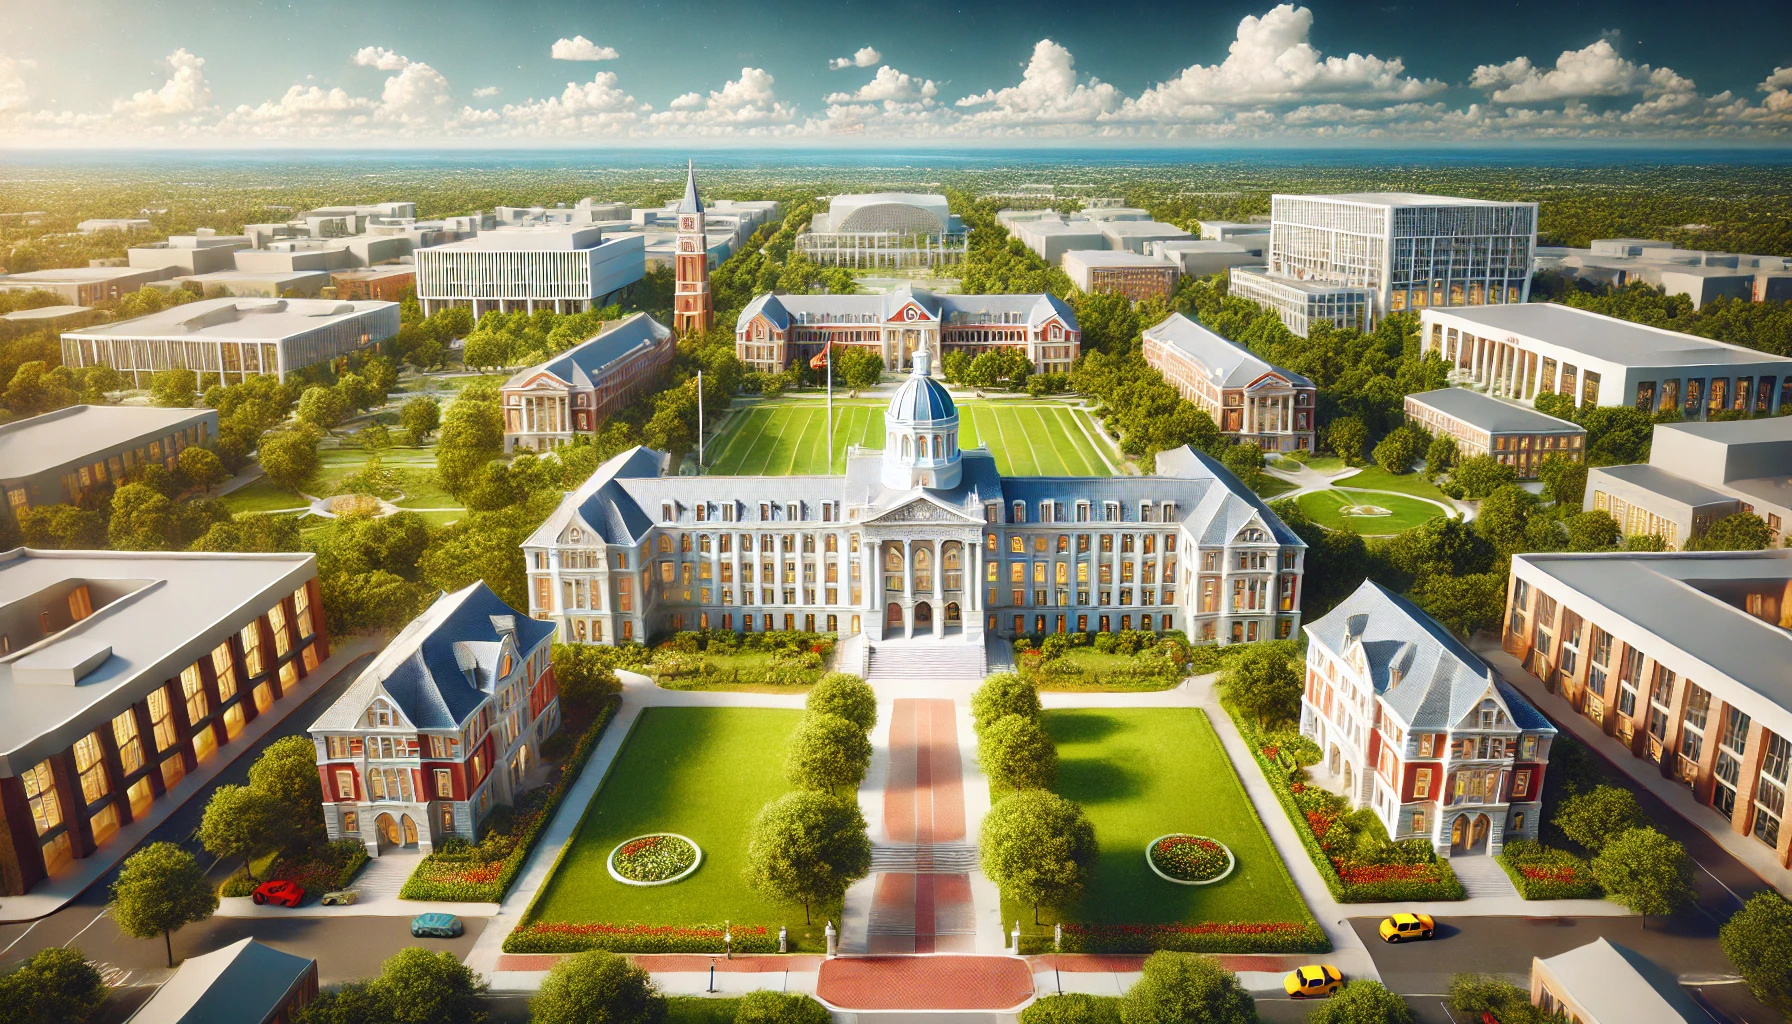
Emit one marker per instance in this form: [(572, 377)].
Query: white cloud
[(485, 91), (890, 86), (15, 95), (301, 106), (580, 48), (185, 91), (746, 103), (415, 95), (600, 105), (1048, 94), (1272, 62), (381, 58), (1594, 70), (864, 58)]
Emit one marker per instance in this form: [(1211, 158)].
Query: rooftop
[(1142, 227), (43, 313), (1492, 414), (1227, 363), (244, 319), (1116, 258), (1605, 337), (1617, 985), (527, 239), (72, 275), (42, 443), (1668, 485), (1262, 275), (581, 365), (1399, 199), (1750, 431), (242, 983)]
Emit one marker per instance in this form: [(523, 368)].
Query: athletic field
[(784, 438)]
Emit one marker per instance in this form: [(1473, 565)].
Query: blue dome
[(921, 400)]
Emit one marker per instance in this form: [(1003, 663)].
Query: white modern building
[(1698, 473), (1700, 275), (224, 340), (1526, 349), (569, 269), (884, 229), (1403, 250), (1302, 304)]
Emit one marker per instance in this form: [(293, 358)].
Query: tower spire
[(691, 202)]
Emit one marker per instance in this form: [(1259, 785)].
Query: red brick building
[(574, 392)]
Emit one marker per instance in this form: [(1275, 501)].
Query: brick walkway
[(674, 962), (923, 805), (925, 983)]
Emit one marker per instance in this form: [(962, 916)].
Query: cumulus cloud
[(864, 58), (301, 106), (15, 95), (381, 58), (1272, 61), (416, 95), (890, 86), (1048, 94), (485, 91), (600, 105), (580, 48), (1594, 70), (747, 102), (185, 91)]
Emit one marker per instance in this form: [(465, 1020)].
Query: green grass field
[(700, 772), (1374, 478), (784, 438), (1140, 773), (417, 466), (1323, 508)]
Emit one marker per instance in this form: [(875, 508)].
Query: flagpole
[(699, 422), (829, 350)]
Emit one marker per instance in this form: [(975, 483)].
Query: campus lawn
[(1140, 773), (1323, 508), (699, 772), (1374, 478), (1324, 463), (789, 437), (1269, 486), (263, 495)]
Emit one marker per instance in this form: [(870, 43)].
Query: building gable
[(923, 509), (910, 313)]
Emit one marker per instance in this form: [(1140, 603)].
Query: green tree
[(1592, 530), (846, 696), (57, 985), (1758, 941), (1038, 848), (1463, 604), (1646, 871), (1504, 515), (240, 822), (174, 389), (1017, 754), (322, 407), (827, 752), (1441, 455), (1599, 815), (1482, 475), (201, 466), (1739, 531), (1265, 683), (1645, 542), (142, 519), (1363, 1002), (1399, 450), (597, 988), (472, 435), (766, 1006), (1472, 995), (1553, 404), (1003, 694), (1348, 437), (423, 987), (420, 417), (289, 457), (807, 847), (1186, 988), (1564, 480), (159, 890), (64, 527), (584, 678), (1245, 461), (286, 772), (488, 348), (858, 368), (358, 602)]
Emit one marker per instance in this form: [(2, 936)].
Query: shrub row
[(569, 937), (469, 876), (326, 869), (1206, 937), (1547, 873)]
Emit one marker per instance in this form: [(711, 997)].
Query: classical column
[(908, 589), (939, 589)]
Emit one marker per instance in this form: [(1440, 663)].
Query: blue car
[(436, 926)]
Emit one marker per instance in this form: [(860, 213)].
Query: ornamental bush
[(764, 1006), (1546, 873), (1072, 1008), (575, 937), (1001, 695), (826, 752), (1017, 754), (597, 988), (1206, 937), (1178, 988), (846, 696)]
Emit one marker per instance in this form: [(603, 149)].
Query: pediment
[(923, 510), (901, 314), (543, 381), (1269, 380)]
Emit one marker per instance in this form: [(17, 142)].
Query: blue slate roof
[(583, 364), (921, 399)]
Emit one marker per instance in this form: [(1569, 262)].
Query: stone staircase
[(1482, 876), (925, 859), (948, 660)]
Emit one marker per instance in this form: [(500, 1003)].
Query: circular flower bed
[(657, 859), (1189, 860)]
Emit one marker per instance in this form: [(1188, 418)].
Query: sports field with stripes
[(789, 437)]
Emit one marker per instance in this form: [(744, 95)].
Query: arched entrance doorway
[(410, 831), (388, 830), (893, 616), (1468, 833), (923, 618), (954, 619)]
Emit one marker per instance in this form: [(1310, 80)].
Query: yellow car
[(1401, 927), (1312, 980)]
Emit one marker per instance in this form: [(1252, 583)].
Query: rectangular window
[(89, 767), (1770, 793), (40, 793), (282, 631), (301, 600), (130, 745), (444, 784), (193, 688), (225, 670), (1521, 784), (251, 638), (1421, 784), (345, 784)]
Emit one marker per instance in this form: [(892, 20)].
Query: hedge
[(1349, 881), (570, 937), (469, 878), (322, 870), (1547, 873), (1206, 937)]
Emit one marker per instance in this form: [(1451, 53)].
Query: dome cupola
[(921, 432)]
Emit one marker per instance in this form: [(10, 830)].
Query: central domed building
[(921, 432)]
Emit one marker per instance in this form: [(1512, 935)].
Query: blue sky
[(847, 72)]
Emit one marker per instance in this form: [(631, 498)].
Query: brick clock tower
[(693, 309)]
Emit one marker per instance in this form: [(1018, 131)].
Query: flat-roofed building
[(1522, 350), (129, 679), (246, 982), (884, 229), (203, 252), (1253, 237), (1137, 235), (1200, 258), (258, 284), (1516, 435), (1419, 729), (50, 459), (1051, 239), (83, 286), (572, 394), (1679, 660), (1304, 304), (1700, 275), (46, 318), (1127, 273), (774, 330), (95, 225), (567, 269), (230, 339), (1698, 473), (385, 283), (1605, 983), (1247, 397)]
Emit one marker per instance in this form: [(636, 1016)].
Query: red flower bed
[(1272, 752), (1549, 874), (1206, 937), (1366, 874)]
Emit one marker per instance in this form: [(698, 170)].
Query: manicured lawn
[(1140, 773), (1269, 486), (262, 496), (789, 436), (1324, 463), (1374, 478), (700, 772), (1323, 508)]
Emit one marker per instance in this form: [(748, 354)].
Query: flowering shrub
[(577, 937), (1206, 937), (1546, 873), (654, 858), (1190, 858)]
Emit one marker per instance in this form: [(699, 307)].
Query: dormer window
[(666, 512), (379, 715), (1489, 714), (504, 668), (1020, 512), (1110, 512)]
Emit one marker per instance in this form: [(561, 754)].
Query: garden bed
[(1190, 860), (1203, 937), (462, 873), (1131, 660), (781, 661), (1546, 873), (325, 869)]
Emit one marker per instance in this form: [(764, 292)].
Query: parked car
[(287, 894), (1313, 980), (340, 898), (436, 926), (1401, 927)]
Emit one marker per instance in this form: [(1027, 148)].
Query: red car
[(286, 893)]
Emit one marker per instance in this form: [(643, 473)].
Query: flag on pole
[(822, 358)]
